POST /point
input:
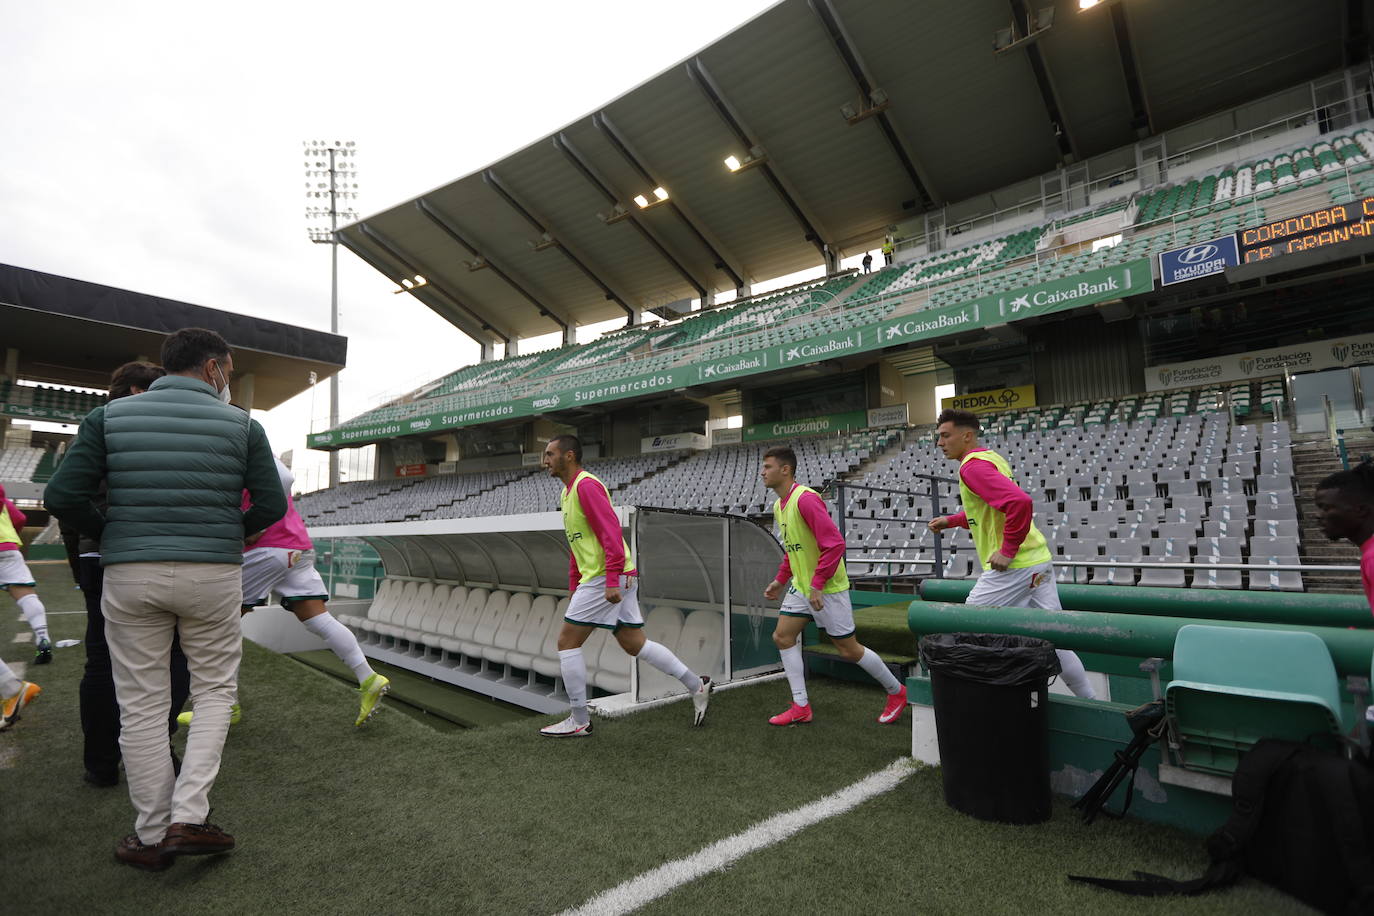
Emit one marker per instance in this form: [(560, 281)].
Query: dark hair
[(133, 375), (569, 443), (964, 418), (189, 348), (1356, 484), (784, 456)]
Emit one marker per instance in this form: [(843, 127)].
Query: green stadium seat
[(1235, 685)]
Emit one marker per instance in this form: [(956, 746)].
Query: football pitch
[(400, 817)]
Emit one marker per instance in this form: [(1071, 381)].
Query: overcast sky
[(156, 146)]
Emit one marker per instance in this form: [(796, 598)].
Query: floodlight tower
[(330, 177)]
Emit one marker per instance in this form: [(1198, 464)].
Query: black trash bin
[(990, 693)]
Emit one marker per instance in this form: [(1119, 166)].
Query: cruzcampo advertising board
[(1100, 285)]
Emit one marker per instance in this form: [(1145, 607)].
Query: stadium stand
[(21, 463), (1123, 484), (46, 397), (1222, 201)]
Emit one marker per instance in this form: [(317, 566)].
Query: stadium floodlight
[(644, 203), (544, 241), (1087, 4), (876, 102), (755, 157), (330, 175), (409, 285)]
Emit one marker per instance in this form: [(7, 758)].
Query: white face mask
[(223, 392)]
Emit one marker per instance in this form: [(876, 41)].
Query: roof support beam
[(769, 171), (1141, 121), (1020, 24), (561, 144), (849, 56), (502, 192), (446, 226), (453, 306), (613, 137)]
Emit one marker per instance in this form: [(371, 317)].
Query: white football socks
[(341, 642), (35, 614), (796, 672), (662, 658), (574, 670), (1075, 675), (872, 664), (9, 683)]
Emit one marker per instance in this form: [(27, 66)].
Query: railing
[(1140, 563), (842, 494)]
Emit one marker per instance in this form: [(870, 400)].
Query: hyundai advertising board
[(1199, 260)]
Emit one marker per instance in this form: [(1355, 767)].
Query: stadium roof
[(71, 332), (518, 249)]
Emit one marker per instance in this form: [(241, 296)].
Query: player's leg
[(313, 614), (836, 617), (15, 694), (587, 610), (793, 617), (1005, 588), (1045, 594), (629, 632), (573, 668), (16, 579)]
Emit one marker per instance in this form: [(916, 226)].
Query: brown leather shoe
[(196, 840), (147, 856)]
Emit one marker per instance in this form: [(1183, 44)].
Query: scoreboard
[(1318, 229)]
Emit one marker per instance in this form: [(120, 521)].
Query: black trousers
[(99, 707)]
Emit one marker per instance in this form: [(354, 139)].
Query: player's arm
[(574, 574), (70, 493), (262, 482), (18, 518), (941, 522), (1006, 497), (596, 506)]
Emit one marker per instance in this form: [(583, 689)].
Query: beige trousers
[(143, 604)]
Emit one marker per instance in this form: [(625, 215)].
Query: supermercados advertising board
[(994, 400), (1323, 354), (1096, 286)]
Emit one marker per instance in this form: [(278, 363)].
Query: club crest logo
[(1340, 351), (1247, 364), (1165, 375)]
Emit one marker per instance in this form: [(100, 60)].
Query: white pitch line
[(23, 637), (640, 891)]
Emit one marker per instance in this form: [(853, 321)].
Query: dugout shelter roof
[(518, 249), (71, 332)]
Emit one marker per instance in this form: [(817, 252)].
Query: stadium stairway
[(1312, 462)]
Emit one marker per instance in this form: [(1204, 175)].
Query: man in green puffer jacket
[(176, 460)]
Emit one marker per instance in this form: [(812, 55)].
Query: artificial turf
[(397, 817)]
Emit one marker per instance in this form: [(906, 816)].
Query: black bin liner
[(991, 698)]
